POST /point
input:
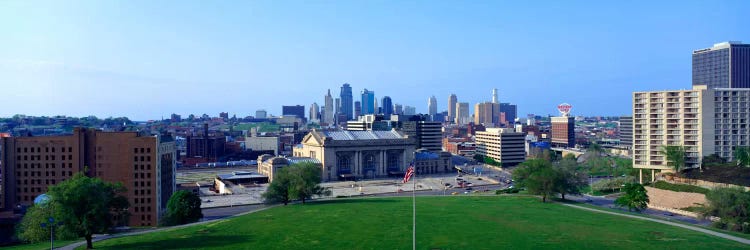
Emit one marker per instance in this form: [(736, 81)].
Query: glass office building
[(725, 65)]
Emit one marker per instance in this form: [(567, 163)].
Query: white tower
[(494, 96)]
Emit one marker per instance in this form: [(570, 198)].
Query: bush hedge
[(680, 187)]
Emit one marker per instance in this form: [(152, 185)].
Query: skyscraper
[(297, 110), (357, 109), (510, 110), (452, 99), (314, 112), (398, 109), (346, 101), (328, 115), (462, 113), (487, 113), (725, 65), (387, 106), (432, 106), (494, 96), (410, 110), (368, 102)]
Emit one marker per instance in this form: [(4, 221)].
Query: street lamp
[(51, 223)]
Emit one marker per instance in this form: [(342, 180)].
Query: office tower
[(261, 114), (432, 106), (725, 65), (144, 164), (487, 113), (368, 102), (462, 113), (452, 99), (387, 107), (296, 110), (337, 103), (494, 96), (511, 112), (410, 110), (346, 101), (314, 112), (224, 115), (563, 128), (428, 134), (357, 109), (504, 145), (398, 109), (328, 110), (626, 131), (375, 106)]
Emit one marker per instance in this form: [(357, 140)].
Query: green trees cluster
[(80, 206), (543, 178), (612, 184), (742, 155), (675, 156), (487, 160), (182, 208), (732, 206), (299, 181), (635, 197)]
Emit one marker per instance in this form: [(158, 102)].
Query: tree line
[(299, 181)]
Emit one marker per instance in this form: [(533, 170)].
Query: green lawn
[(466, 222), (41, 245)]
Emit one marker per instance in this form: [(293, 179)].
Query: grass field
[(493, 222)]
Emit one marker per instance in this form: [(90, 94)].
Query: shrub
[(680, 187)]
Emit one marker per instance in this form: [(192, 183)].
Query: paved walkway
[(112, 236), (694, 228)]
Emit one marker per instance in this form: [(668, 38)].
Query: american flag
[(409, 173)]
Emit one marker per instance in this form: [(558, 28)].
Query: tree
[(742, 155), (732, 206), (278, 190), (182, 208), (305, 181), (675, 156), (570, 180), (635, 197), (86, 204), (297, 181), (538, 177), (30, 229)]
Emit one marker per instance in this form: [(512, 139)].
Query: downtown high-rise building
[(296, 110), (410, 110), (452, 100), (398, 109), (510, 110), (432, 107), (387, 106), (462, 113), (328, 110), (314, 112), (368, 102), (494, 96), (725, 65), (357, 109), (346, 101)]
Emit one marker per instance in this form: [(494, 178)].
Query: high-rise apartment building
[(626, 131), (145, 165), (347, 101), (725, 65), (462, 113), (328, 109), (504, 145), (452, 100), (387, 106), (368, 102), (679, 118)]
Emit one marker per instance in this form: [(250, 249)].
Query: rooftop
[(362, 135)]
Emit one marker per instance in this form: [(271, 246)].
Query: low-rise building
[(504, 145)]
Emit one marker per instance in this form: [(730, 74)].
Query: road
[(610, 203)]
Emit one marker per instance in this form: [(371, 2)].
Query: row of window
[(142, 150), (39, 157), (142, 158), (39, 149), (39, 165)]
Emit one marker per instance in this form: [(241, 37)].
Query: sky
[(148, 59)]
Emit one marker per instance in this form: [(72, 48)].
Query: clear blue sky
[(148, 59)]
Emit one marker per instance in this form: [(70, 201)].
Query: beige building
[(504, 145), (678, 117), (269, 165), (255, 142), (358, 154)]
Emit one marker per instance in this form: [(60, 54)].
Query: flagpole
[(414, 213)]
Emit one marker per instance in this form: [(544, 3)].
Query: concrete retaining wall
[(674, 200)]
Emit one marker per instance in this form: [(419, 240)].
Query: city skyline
[(90, 58)]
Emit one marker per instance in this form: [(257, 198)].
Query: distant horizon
[(138, 60)]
